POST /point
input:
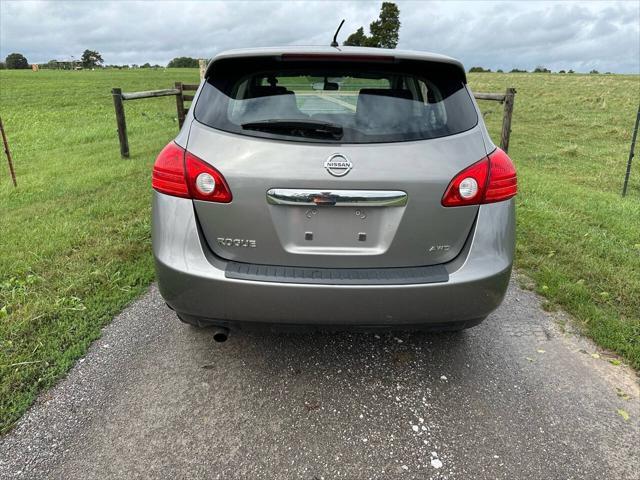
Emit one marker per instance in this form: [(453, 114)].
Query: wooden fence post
[(509, 99), (203, 68), (6, 150), (180, 104), (122, 123), (631, 153)]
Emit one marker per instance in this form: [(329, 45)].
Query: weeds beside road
[(75, 239)]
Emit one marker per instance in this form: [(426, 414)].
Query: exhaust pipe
[(220, 334)]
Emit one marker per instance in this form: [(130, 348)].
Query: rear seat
[(381, 108), (267, 91), (272, 102)]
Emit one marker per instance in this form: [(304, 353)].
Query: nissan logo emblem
[(338, 165)]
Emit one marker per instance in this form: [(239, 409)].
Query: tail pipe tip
[(220, 334)]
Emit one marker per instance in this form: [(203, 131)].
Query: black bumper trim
[(337, 276)]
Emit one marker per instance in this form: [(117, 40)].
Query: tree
[(541, 69), (357, 39), (2, 66), (384, 32), (183, 62), (16, 61), (91, 59), (478, 70), (145, 65)]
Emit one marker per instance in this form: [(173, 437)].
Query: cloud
[(577, 35)]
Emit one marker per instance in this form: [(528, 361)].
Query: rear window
[(338, 102)]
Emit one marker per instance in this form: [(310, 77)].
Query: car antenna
[(335, 42)]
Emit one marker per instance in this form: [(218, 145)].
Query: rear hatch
[(336, 164)]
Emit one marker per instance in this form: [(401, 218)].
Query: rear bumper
[(193, 282)]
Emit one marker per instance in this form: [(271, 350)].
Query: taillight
[(503, 182), (205, 182), (179, 173), (458, 192), (168, 172), (492, 179)]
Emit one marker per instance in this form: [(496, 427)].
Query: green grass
[(577, 238), (75, 240), (74, 235)]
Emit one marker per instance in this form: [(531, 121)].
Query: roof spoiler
[(337, 56)]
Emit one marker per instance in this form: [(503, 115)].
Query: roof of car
[(321, 50)]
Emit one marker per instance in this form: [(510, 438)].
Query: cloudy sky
[(559, 35)]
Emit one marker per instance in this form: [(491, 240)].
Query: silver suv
[(333, 187)]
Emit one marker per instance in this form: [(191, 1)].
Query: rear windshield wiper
[(297, 127)]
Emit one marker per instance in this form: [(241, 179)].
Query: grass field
[(75, 240)]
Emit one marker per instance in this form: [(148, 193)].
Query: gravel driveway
[(514, 398)]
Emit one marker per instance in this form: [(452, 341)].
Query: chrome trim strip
[(337, 198)]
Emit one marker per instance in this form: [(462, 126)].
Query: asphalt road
[(514, 398)]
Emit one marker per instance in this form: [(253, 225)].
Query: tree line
[(90, 59), (538, 69)]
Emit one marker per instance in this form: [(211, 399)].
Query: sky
[(566, 35)]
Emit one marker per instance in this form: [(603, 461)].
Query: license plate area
[(332, 230)]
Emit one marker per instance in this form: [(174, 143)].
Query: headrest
[(271, 106)]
